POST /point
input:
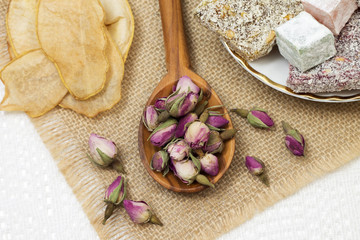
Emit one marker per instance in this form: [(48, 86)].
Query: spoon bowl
[(178, 65)]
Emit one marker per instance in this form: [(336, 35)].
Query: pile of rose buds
[(259, 118), (188, 133), (103, 154)]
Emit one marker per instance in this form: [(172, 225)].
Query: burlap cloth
[(332, 132)]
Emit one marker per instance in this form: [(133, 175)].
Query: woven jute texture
[(331, 130)]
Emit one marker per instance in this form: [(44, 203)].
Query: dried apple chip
[(73, 34), (32, 84), (110, 95), (122, 30), (21, 26)]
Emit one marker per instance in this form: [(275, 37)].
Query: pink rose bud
[(217, 121), (163, 133), (114, 195), (294, 141), (181, 104), (103, 152), (210, 164), (255, 166), (184, 170), (197, 135), (185, 85), (140, 212), (160, 104), (215, 143), (183, 122), (178, 150), (159, 161), (150, 118), (256, 117)]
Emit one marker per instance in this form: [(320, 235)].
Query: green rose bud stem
[(264, 179), (108, 212), (286, 127), (228, 134), (163, 116), (118, 166), (204, 180), (155, 220), (204, 116), (200, 108), (241, 112)]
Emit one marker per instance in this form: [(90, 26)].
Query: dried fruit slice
[(110, 95), (73, 34), (32, 84), (21, 26), (122, 31), (10, 50)]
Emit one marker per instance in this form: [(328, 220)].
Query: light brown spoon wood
[(178, 65)]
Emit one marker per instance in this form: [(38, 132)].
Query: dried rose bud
[(140, 212), (294, 141), (257, 168), (178, 150), (182, 104), (256, 117), (217, 121), (159, 161), (228, 134), (163, 133), (187, 172), (210, 164), (160, 104), (200, 108), (185, 85), (197, 135), (103, 151), (150, 118), (183, 122), (114, 195), (215, 143)]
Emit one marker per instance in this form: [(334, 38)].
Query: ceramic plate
[(273, 70)]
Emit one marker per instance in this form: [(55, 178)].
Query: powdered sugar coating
[(247, 26), (341, 72)]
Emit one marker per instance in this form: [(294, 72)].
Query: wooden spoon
[(178, 65)]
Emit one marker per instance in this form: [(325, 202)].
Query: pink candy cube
[(334, 14)]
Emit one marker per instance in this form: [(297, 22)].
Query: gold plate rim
[(285, 89)]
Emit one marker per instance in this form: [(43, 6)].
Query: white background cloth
[(36, 202)]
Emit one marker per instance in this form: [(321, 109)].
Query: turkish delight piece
[(304, 42), (341, 72), (247, 26), (334, 14)]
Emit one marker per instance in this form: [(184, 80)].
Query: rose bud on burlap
[(294, 141), (257, 168), (150, 118), (140, 212), (257, 117), (183, 124), (114, 195), (178, 150), (159, 161), (185, 85), (103, 152), (163, 133), (181, 104), (197, 135)]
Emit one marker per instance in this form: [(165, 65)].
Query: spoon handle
[(174, 37)]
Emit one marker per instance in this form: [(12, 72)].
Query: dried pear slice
[(73, 34), (21, 26), (32, 84), (110, 95), (122, 31)]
